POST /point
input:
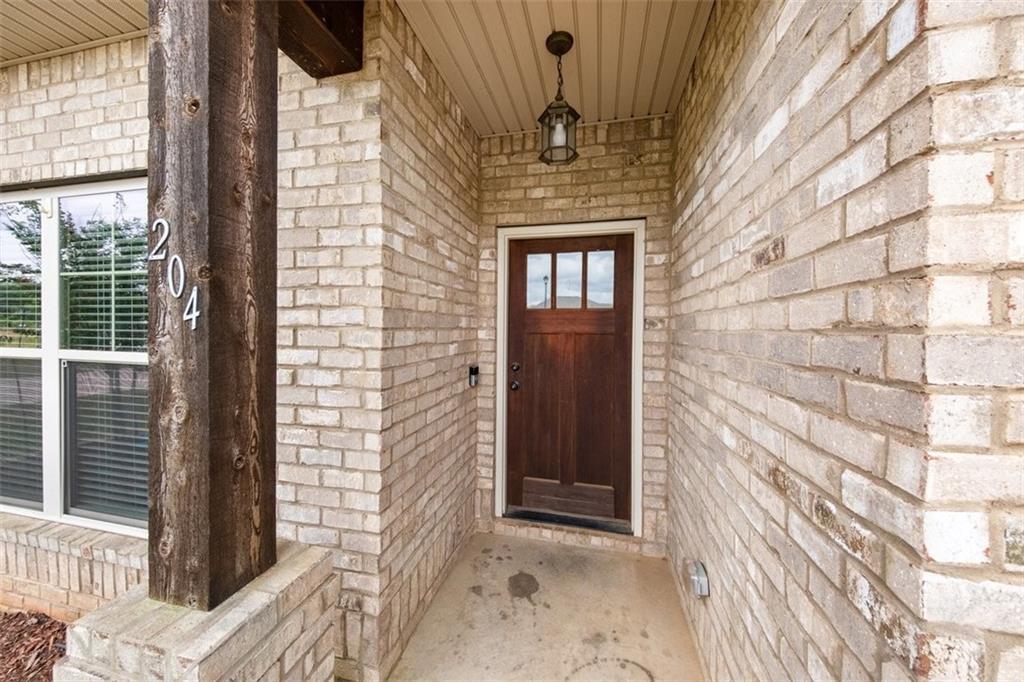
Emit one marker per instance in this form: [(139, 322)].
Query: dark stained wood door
[(568, 368)]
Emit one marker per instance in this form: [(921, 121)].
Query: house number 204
[(175, 271)]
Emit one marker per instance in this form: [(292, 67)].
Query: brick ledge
[(76, 541)]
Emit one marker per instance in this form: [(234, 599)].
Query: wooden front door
[(569, 356)]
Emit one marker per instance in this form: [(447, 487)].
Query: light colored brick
[(962, 54), (904, 25), (891, 91), (984, 603), (819, 311), (955, 537), (904, 358), (860, 355), (771, 129), (1011, 665), (1013, 433), (853, 444), (852, 262), (967, 477), (962, 179), (1013, 173), (865, 162), (991, 113), (959, 301), (910, 132), (959, 420), (975, 238), (944, 12), (865, 16), (824, 555), (881, 507), (890, 405), (974, 360), (907, 467)]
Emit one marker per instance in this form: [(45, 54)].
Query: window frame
[(53, 359)]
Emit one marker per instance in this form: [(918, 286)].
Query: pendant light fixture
[(558, 122)]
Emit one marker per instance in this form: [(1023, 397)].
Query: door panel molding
[(505, 235)]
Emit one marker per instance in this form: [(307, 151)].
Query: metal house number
[(175, 272)]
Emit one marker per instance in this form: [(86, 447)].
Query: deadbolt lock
[(515, 366)]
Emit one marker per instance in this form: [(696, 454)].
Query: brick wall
[(330, 331), (62, 570), (623, 172), (430, 165), (845, 361), (279, 626), (77, 114)]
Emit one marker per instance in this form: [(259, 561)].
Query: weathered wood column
[(212, 284)]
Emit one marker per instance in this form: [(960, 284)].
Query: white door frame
[(636, 228)]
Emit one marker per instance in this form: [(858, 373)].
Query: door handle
[(514, 386)]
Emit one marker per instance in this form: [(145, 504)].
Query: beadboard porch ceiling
[(32, 29), (631, 57)]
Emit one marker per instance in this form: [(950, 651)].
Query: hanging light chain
[(559, 96)]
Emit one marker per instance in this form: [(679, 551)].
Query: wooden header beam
[(212, 297), (324, 37)]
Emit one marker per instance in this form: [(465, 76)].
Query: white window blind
[(21, 432), (107, 439)]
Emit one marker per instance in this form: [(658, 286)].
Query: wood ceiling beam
[(324, 37)]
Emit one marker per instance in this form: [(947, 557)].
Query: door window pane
[(20, 273), (538, 280), (21, 432), (108, 440), (570, 280), (600, 279), (103, 271)]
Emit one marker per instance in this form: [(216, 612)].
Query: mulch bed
[(30, 643)]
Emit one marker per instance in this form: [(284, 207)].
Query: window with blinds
[(103, 271), (21, 432), (73, 331), (20, 274), (107, 416)]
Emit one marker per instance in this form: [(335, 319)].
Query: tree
[(20, 273)]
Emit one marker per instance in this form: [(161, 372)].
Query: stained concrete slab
[(517, 609)]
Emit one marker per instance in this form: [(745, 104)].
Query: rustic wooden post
[(212, 283)]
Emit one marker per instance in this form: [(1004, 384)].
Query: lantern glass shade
[(558, 133)]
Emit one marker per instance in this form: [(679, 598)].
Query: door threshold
[(618, 526)]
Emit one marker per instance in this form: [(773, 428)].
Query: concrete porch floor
[(517, 609)]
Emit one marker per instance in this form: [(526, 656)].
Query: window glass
[(103, 271), (108, 440), (538, 280), (21, 432), (570, 280), (20, 273), (600, 279)]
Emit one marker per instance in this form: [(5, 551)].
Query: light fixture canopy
[(558, 122)]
